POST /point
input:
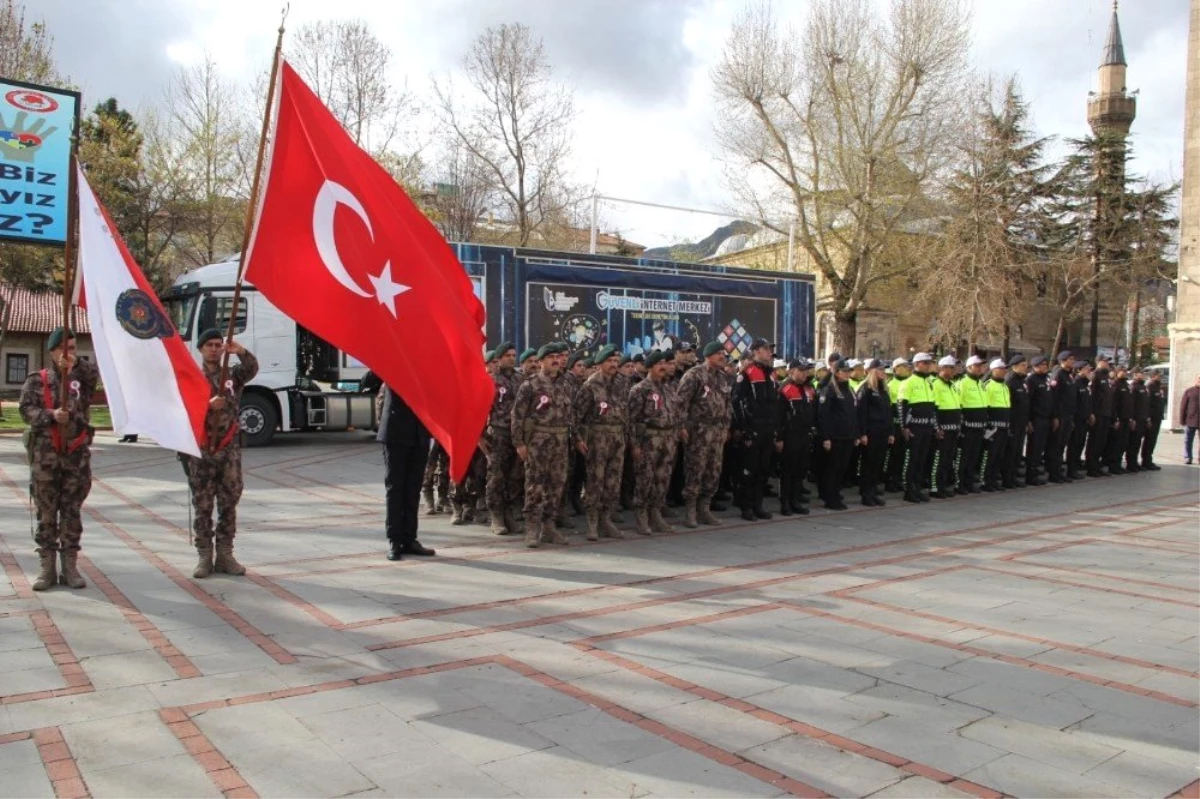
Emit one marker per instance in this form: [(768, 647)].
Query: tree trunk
[(845, 334), (1135, 345), (1004, 343), (1058, 335)]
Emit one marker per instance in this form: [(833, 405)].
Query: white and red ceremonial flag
[(339, 247), (154, 387)]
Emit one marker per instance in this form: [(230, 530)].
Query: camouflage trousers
[(505, 474), (653, 469), (702, 460), (437, 471), (215, 479), (59, 489), (473, 484), (545, 474), (605, 464)]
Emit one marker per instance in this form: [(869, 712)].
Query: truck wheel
[(258, 420)]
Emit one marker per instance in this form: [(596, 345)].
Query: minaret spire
[(1114, 48)]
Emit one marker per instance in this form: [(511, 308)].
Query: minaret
[(1111, 109)]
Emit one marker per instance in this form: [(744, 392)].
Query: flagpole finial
[(283, 15)]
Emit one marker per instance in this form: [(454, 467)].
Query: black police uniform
[(1102, 408), (1118, 439), (1017, 431), (756, 413), (1158, 411), (1083, 417), (798, 418), (1041, 411), (1141, 421), (837, 423), (1062, 385), (875, 422)]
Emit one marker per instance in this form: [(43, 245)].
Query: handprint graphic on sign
[(21, 140)]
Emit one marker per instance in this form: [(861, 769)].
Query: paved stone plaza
[(1032, 643)]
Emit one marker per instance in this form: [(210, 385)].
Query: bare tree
[(205, 114), (517, 124), (461, 192), (27, 54), (346, 65), (842, 128)]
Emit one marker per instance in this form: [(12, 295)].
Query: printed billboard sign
[(640, 320), (36, 124)]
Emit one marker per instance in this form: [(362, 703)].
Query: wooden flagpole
[(70, 266), (252, 206)]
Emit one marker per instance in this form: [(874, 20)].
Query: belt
[(545, 428), (660, 431), (708, 422), (608, 424), (949, 428), (920, 421), (998, 423), (975, 425)]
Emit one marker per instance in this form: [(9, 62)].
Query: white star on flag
[(386, 289)]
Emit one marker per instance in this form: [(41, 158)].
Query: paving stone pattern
[(1032, 643)]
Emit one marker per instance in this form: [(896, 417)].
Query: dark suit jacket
[(398, 425)]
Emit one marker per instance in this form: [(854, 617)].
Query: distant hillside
[(705, 248)]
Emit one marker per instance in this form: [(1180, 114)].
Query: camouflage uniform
[(600, 414), (705, 407), (437, 475), (216, 476), (504, 471), (573, 488), (655, 431), (60, 481), (465, 495), (541, 419)]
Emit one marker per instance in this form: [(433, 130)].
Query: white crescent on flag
[(154, 388)]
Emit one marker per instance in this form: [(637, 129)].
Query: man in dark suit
[(405, 450)]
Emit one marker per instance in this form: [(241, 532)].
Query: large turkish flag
[(339, 247)]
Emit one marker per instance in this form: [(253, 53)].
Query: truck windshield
[(181, 308)]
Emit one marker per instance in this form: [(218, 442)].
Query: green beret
[(655, 357), (712, 348), (504, 347), (207, 336), (548, 349), (624, 360), (606, 352), (668, 355), (56, 338), (489, 356), (526, 355), (575, 358)]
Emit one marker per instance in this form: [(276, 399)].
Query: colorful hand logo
[(19, 142)]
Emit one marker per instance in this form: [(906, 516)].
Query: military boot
[(457, 518), (468, 514), (205, 567), (593, 524), (551, 535), (642, 522), (533, 533), (498, 525), (225, 562), (667, 512), (607, 528), (689, 515), (70, 576), (511, 523), (704, 514), (657, 523), (564, 521), (48, 577), (430, 506)]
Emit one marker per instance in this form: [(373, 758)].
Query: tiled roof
[(38, 311)]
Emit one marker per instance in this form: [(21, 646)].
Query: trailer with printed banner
[(532, 297)]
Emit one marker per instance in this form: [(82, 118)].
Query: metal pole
[(592, 247)]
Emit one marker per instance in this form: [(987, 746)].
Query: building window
[(215, 313), (16, 368)]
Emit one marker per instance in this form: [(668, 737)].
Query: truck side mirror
[(206, 318)]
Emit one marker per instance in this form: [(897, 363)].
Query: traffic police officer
[(948, 403), (975, 417), (999, 409), (918, 418)]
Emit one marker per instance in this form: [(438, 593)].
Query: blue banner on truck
[(535, 296)]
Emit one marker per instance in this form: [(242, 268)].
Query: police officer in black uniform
[(1018, 370), (1041, 416), (1118, 437), (1102, 409), (1062, 386), (1141, 421), (1158, 411), (797, 420), (755, 414), (1085, 420)]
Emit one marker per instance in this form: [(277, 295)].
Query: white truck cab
[(303, 382)]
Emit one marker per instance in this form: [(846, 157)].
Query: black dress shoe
[(759, 513), (909, 496), (801, 509), (415, 548), (748, 514), (394, 551), (1152, 467), (785, 510), (879, 501), (835, 506)]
